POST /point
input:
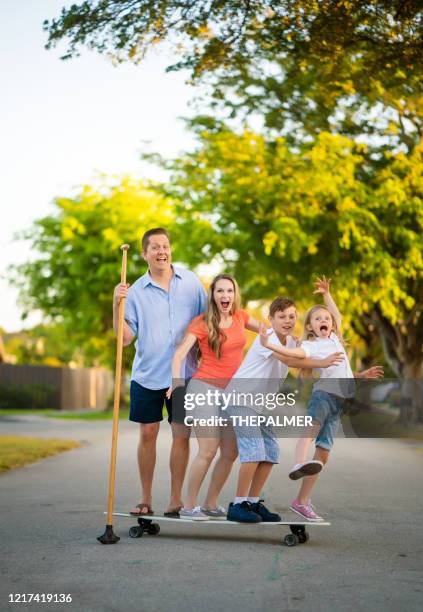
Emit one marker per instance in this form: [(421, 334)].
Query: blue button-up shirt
[(159, 319)]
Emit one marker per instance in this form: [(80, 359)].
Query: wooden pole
[(109, 537)]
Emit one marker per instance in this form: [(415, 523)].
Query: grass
[(16, 451), (87, 415), (13, 411), (92, 415)]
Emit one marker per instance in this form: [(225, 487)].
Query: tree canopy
[(277, 218), (303, 65), (71, 280)]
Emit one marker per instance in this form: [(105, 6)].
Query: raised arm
[(323, 287), (253, 325), (181, 352)]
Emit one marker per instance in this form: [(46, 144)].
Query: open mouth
[(225, 304), (324, 327), (161, 259)]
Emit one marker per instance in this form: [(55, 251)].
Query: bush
[(34, 396)]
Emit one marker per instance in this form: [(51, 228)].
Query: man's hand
[(333, 359), (373, 372), (121, 291), (169, 392), (322, 285)]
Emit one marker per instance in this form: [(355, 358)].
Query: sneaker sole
[(306, 470), (310, 520), (244, 522), (194, 518)]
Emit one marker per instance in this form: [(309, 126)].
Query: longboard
[(146, 524)]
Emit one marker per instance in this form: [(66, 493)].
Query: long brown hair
[(217, 336)]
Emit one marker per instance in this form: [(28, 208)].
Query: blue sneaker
[(266, 516), (242, 513)]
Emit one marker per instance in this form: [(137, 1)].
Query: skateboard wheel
[(303, 537), (291, 539), (135, 532), (153, 529), (300, 532)]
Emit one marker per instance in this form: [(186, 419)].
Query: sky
[(63, 122)]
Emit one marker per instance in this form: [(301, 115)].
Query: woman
[(220, 333)]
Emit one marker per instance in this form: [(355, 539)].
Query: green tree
[(304, 66), (277, 218), (43, 345), (77, 263)]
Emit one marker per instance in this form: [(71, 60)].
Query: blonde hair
[(216, 336), (309, 334)]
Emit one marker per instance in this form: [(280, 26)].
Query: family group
[(183, 335)]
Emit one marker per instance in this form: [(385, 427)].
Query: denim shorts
[(325, 408), (255, 443)]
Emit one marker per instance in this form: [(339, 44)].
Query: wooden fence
[(70, 388)]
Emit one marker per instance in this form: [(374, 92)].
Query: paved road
[(369, 559)]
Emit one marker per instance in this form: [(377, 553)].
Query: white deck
[(153, 517)]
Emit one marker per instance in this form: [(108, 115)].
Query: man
[(159, 306)]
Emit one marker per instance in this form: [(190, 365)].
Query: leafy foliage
[(302, 65), (43, 345), (277, 218), (72, 279), (32, 397)]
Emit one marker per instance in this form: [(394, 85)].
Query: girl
[(321, 338), (220, 333)]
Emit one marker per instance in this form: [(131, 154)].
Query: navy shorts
[(147, 404)]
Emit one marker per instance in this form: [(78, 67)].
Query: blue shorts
[(255, 442), (325, 408)]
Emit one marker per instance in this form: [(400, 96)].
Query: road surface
[(51, 512)]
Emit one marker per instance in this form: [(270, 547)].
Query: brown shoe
[(172, 512), (142, 509)]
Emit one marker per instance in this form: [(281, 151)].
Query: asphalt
[(370, 558)]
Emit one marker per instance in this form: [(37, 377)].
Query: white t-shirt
[(260, 373), (332, 379)]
